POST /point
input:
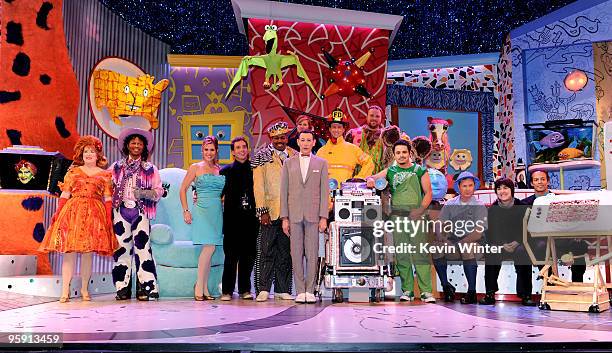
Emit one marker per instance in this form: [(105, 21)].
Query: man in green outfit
[(410, 196)]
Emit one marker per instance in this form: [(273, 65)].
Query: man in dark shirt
[(240, 225), (505, 217)]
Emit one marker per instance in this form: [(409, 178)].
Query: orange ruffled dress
[(82, 225)]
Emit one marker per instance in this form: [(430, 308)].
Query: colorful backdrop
[(308, 40), (200, 90)]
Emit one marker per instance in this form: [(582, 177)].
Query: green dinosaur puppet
[(273, 62)]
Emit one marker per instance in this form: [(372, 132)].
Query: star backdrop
[(430, 27)]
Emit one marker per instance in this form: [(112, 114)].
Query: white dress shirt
[(304, 163)]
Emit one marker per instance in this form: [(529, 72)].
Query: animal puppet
[(422, 149), (389, 136), (126, 96), (552, 139), (439, 138), (273, 62), (570, 153)]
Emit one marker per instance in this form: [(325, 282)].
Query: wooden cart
[(559, 294)]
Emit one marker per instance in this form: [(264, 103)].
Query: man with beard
[(273, 246), (137, 189), (367, 137)]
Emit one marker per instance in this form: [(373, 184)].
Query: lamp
[(575, 80)]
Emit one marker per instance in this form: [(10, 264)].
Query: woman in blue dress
[(206, 218)]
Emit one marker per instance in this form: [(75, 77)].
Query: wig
[(90, 141)]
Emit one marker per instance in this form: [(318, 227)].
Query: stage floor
[(281, 323)]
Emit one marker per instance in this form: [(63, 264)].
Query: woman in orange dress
[(83, 220)]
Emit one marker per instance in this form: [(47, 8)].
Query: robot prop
[(351, 261)]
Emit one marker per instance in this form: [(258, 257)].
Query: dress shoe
[(310, 298), (301, 298), (283, 296), (449, 293), (469, 298), (246, 296), (262, 296), (526, 301), (488, 299)]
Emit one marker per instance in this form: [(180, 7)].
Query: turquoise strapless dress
[(207, 216)]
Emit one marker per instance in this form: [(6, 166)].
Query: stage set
[(82, 79)]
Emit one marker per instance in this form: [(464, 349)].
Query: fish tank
[(560, 141)]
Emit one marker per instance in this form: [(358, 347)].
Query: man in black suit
[(240, 225)]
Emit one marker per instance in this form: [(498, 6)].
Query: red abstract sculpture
[(346, 76)]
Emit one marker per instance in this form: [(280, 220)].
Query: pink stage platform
[(185, 325)]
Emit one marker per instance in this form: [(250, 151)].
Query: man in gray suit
[(304, 210)]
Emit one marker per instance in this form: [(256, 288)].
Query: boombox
[(352, 247), (356, 203), (357, 209)]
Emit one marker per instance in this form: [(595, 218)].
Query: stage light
[(575, 80)]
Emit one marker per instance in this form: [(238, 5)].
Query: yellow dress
[(82, 224)]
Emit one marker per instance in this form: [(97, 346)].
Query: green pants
[(405, 261)]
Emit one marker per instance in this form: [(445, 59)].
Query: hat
[(337, 117), (279, 128), (125, 133), (467, 175)]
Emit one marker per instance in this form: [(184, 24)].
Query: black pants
[(523, 279), (578, 271), (240, 247), (273, 262)]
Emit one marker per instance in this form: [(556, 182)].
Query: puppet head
[(125, 96), (26, 171), (461, 159)]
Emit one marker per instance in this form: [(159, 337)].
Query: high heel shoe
[(197, 297), (64, 299), (86, 297), (208, 297)]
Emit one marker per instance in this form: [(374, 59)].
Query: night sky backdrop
[(430, 27)]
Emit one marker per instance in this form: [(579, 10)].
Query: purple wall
[(198, 90)]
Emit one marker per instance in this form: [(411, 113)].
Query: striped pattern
[(93, 32)]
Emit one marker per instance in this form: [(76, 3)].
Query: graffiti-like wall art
[(310, 42), (196, 91)]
